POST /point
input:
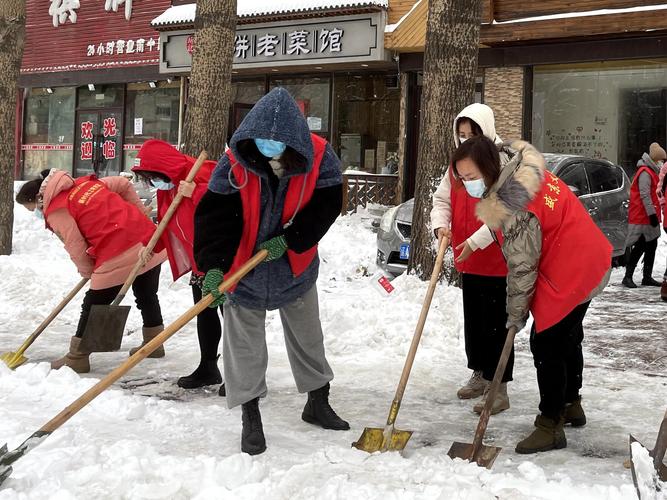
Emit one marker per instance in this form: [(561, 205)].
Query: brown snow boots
[(474, 388), (149, 334), (574, 413), (77, 360), (548, 435)]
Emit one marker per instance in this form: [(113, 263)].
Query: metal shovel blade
[(486, 456), (661, 472), (13, 359), (104, 328), (373, 439), (5, 470)]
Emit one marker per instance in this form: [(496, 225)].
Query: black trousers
[(145, 294), (647, 248), (209, 329), (559, 361), (485, 317)]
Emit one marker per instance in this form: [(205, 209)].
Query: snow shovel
[(9, 457), (391, 439), (657, 454), (477, 451), (106, 324), (16, 359)]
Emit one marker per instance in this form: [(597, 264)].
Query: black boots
[(252, 435), (207, 373), (628, 282), (318, 411), (649, 281)]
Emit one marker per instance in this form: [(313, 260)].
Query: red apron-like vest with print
[(637, 213), (486, 262), (575, 256), (251, 199), (109, 224)]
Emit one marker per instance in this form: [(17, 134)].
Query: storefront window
[(602, 110), (150, 113), (313, 97), (48, 130), (244, 96), (101, 96), (367, 122)]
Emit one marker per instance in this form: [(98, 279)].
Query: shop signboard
[(343, 39), (67, 35)]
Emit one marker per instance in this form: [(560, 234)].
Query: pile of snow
[(146, 438)]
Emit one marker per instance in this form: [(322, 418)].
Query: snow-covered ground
[(147, 439)]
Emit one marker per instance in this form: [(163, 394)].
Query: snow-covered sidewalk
[(147, 439)]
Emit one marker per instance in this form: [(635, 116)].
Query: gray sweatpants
[(246, 356)]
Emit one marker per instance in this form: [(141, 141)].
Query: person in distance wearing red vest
[(644, 216), (165, 168), (557, 260), (480, 262), (278, 188), (104, 227)]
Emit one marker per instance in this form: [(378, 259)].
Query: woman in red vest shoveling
[(277, 188), (557, 261), (165, 168), (644, 216), (481, 264), (104, 227)]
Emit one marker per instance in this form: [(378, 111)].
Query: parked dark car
[(602, 187)]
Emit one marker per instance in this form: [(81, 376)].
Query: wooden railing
[(362, 189)]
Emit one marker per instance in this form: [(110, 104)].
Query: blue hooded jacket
[(276, 116)]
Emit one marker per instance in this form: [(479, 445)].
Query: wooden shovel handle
[(400, 390), (142, 353), (491, 395), (47, 321), (160, 229), (660, 443)]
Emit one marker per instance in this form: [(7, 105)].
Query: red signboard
[(64, 35)]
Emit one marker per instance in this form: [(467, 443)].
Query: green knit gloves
[(212, 282), (275, 246)]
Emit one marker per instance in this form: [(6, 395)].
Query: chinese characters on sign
[(114, 4), (109, 131), (552, 183), (63, 10), (122, 47), (352, 39), (295, 43)]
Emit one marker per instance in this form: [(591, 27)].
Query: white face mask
[(462, 140), (38, 213), (475, 188)]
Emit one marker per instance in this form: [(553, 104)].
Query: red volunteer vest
[(575, 257), (487, 262), (637, 213), (250, 199), (109, 224)]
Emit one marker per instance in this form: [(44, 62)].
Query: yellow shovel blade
[(373, 439), (13, 359), (486, 456)]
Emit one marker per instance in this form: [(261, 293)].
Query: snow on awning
[(185, 14)]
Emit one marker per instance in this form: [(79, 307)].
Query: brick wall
[(503, 92)]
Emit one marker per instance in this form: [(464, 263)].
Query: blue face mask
[(38, 213), (161, 185), (475, 188), (269, 148)]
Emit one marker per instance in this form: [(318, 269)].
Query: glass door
[(99, 144)]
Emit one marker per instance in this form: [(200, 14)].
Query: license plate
[(405, 251)]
